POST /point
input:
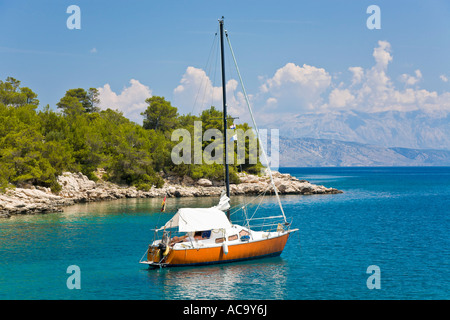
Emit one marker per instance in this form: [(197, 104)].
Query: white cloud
[(443, 78), (296, 87), (340, 98), (373, 84), (411, 80), (272, 101), (131, 101), (93, 50), (382, 54), (358, 74), (373, 90), (196, 92)]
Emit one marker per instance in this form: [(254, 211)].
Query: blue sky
[(154, 42)]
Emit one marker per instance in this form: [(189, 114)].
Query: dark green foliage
[(25, 157), (12, 95), (37, 146), (78, 100), (213, 119), (160, 115)]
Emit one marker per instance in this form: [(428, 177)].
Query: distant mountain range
[(413, 129), (355, 138), (307, 152)]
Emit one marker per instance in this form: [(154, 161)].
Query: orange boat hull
[(236, 252)]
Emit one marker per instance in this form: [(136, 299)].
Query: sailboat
[(201, 236)]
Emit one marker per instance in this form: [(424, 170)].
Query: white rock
[(204, 182)]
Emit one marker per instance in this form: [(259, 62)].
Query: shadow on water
[(253, 279)]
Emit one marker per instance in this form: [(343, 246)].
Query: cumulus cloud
[(339, 98), (130, 101), (382, 55), (196, 92), (373, 90), (358, 74), (296, 87), (195, 87), (411, 80)]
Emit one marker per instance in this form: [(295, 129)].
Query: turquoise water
[(394, 218)]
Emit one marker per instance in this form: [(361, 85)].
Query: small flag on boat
[(233, 126), (163, 205)]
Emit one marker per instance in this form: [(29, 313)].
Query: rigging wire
[(256, 127), (213, 82), (209, 65), (239, 207), (209, 74), (204, 79)]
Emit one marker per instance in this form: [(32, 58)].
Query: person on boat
[(198, 235), (186, 238), (176, 239)]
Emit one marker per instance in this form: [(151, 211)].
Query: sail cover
[(198, 219), (224, 202), (201, 219)]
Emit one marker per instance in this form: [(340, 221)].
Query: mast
[(225, 126), (256, 129)]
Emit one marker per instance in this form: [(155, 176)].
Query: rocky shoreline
[(77, 188)]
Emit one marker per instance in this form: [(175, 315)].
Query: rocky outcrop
[(77, 188), (30, 201)]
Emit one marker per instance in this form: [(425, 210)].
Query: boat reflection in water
[(224, 281)]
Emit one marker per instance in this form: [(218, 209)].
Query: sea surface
[(396, 219)]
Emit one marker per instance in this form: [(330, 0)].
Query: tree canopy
[(160, 115), (38, 145), (13, 95), (80, 100)]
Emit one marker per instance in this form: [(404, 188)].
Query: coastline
[(77, 188)]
